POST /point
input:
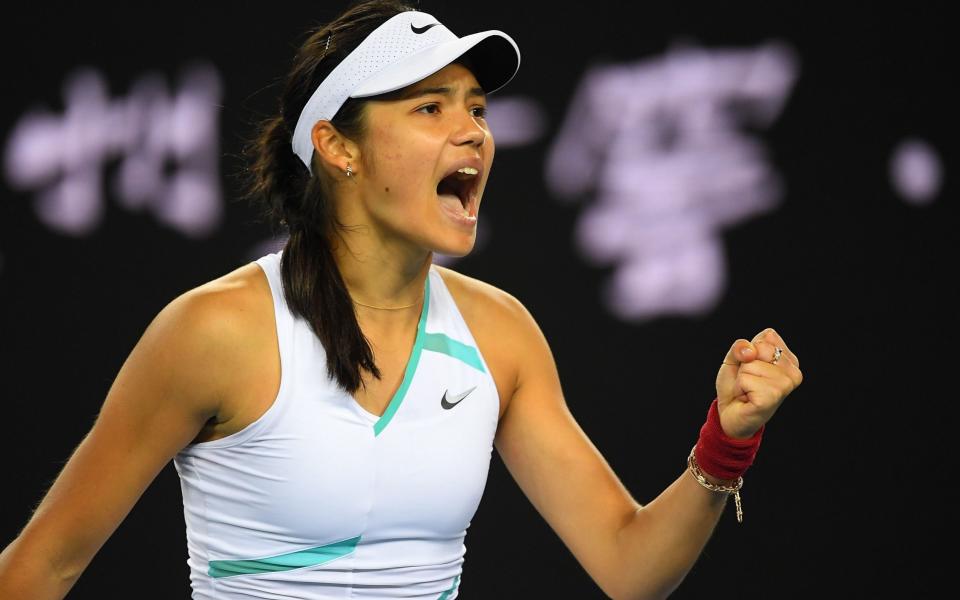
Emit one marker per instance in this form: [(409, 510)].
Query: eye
[(423, 108), (480, 111)]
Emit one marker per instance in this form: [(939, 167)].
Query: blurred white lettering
[(660, 148), (167, 146)]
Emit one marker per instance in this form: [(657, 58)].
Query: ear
[(334, 150)]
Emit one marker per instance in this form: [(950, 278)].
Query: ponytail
[(290, 197)]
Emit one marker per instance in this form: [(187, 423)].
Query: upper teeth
[(468, 171)]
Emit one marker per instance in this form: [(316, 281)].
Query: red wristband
[(720, 455)]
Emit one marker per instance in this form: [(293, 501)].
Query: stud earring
[(349, 170)]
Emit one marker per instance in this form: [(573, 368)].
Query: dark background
[(849, 493)]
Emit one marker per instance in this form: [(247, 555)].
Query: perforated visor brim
[(493, 55)]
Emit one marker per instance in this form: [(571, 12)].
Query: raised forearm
[(663, 540)]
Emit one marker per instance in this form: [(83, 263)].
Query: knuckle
[(790, 383), (788, 386)]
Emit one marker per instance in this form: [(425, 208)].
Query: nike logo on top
[(448, 404), (423, 29)]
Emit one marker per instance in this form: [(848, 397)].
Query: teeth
[(468, 171)]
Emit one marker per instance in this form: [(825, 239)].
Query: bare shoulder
[(221, 311), (235, 297), (214, 333), (189, 360)]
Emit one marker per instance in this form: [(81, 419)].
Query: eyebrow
[(443, 91)]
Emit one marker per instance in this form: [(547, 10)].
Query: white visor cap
[(407, 48)]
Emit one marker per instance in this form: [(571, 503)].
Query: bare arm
[(170, 385), (631, 551)]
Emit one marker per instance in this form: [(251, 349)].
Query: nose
[(470, 130)]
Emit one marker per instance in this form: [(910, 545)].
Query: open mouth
[(460, 186)]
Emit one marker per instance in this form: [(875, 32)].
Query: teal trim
[(412, 363), (447, 593), (440, 342), (284, 562)]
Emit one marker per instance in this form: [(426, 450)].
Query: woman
[(332, 408)]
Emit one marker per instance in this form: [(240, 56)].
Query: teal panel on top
[(283, 562), (444, 344), (412, 362)]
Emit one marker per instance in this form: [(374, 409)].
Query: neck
[(383, 280)]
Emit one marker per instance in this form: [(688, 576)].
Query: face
[(410, 191)]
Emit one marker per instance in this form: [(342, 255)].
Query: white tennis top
[(319, 498)]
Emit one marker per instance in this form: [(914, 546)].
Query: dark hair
[(279, 182)]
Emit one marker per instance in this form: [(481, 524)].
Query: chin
[(456, 250)]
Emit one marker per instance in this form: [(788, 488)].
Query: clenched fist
[(754, 379)]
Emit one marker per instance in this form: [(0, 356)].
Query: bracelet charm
[(729, 489)]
